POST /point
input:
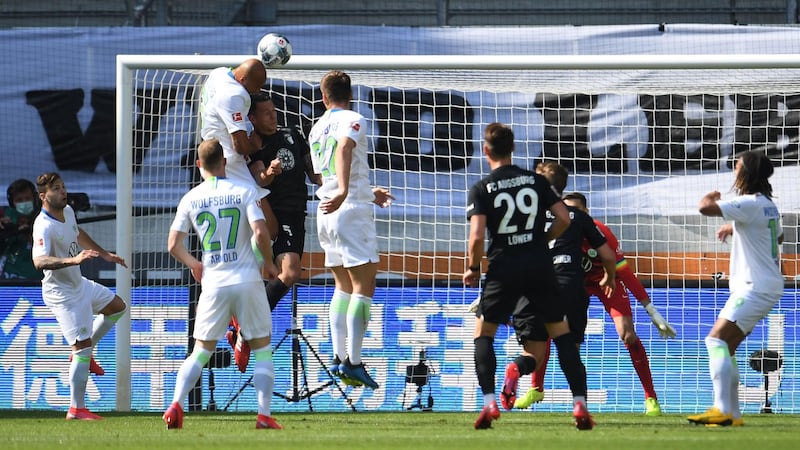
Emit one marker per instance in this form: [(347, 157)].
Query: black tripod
[(300, 391)]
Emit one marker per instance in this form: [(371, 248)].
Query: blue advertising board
[(405, 322)]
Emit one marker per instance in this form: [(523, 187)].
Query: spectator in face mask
[(16, 238)]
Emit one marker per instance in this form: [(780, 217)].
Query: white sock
[(721, 369), (189, 373), (79, 376), (264, 378), (357, 319), (337, 315), (102, 324), (488, 399), (735, 411)]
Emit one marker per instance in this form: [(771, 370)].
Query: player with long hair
[(756, 282)]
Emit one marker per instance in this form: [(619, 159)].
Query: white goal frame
[(126, 64)]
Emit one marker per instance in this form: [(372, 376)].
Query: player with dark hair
[(756, 282), (510, 205), (282, 165), (227, 214), (16, 231), (566, 259), (72, 298), (618, 307)]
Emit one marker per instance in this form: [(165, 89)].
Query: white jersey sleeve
[(755, 252), (52, 237), (224, 104), (324, 140)]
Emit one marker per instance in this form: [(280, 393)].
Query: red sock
[(642, 366), (537, 379)]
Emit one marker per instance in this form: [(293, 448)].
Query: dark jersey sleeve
[(474, 204), (592, 234), (549, 195)]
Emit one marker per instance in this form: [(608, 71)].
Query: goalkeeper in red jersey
[(618, 305)]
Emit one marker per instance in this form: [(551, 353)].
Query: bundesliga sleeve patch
[(237, 117), (355, 126)]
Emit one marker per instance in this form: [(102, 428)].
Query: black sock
[(485, 363), (570, 360), (526, 364), (275, 292)]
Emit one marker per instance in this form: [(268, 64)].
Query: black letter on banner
[(769, 123), (296, 105), (58, 110), (566, 134), (684, 131), (399, 115), (75, 150)]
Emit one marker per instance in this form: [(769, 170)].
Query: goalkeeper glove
[(473, 307), (664, 329)]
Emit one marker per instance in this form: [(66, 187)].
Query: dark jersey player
[(282, 164), (566, 256), (509, 204)]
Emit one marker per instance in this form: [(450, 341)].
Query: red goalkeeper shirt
[(594, 268)]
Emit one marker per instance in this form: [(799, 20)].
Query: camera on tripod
[(419, 375)]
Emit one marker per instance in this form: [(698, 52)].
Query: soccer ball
[(274, 50)]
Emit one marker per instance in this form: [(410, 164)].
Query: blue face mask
[(24, 208)]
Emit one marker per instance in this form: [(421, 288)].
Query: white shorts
[(247, 301), (75, 314), (240, 172), (348, 236), (746, 308)]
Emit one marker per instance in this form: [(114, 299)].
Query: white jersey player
[(345, 223), (756, 283), (755, 255), (226, 215), (225, 102), (73, 299)]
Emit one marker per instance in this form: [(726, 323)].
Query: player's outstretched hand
[(665, 330), (116, 259), (383, 197), (724, 231)]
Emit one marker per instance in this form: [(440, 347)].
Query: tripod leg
[(299, 361), (212, 404), (249, 382), (325, 368)]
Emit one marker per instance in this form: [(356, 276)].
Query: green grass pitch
[(402, 430)]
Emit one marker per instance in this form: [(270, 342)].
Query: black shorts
[(575, 302), (503, 296), (291, 232)]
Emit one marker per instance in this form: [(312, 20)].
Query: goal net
[(644, 138)]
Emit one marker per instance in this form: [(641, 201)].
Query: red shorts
[(619, 305)]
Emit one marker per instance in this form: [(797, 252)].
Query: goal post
[(643, 137)]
